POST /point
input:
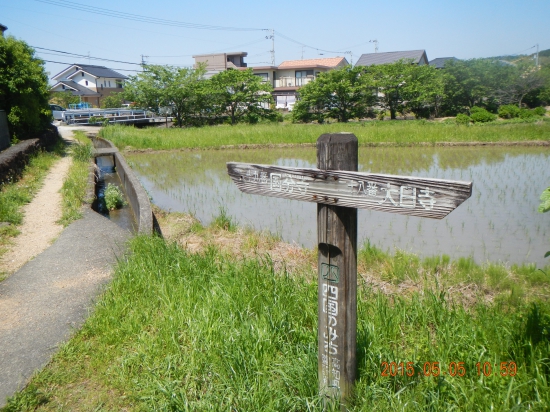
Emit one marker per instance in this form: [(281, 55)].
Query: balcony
[(293, 81)]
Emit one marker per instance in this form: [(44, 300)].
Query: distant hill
[(544, 58)]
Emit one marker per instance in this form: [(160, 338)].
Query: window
[(263, 76), (63, 86), (86, 82), (109, 83), (301, 75), (82, 74)]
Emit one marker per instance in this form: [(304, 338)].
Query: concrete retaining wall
[(135, 193)]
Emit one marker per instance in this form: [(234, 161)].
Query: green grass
[(401, 133), (13, 196), (75, 185), (181, 331)]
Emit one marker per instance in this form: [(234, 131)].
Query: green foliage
[(462, 118), (114, 100), (526, 114), (539, 111), (481, 115), (113, 197), (238, 95), (545, 201), (341, 94), (24, 88), (508, 111), (64, 98)]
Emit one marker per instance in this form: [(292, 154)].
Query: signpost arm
[(337, 275)]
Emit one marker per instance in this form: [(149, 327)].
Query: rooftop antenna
[(375, 45), (143, 61)]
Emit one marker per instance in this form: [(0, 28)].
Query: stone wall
[(5, 140), (14, 159)]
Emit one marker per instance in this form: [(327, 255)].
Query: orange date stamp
[(411, 369)]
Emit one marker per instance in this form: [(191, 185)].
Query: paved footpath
[(43, 303)]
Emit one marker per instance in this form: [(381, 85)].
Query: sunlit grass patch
[(75, 185), (397, 133), (202, 331)]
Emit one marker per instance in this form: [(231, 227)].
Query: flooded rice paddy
[(499, 223)]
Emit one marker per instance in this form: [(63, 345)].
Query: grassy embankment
[(74, 186), (399, 133), (14, 195), (230, 324)]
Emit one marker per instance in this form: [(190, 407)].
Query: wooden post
[(337, 275)]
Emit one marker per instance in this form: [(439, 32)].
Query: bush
[(114, 198), (508, 111), (539, 111), (526, 114), (462, 118), (480, 115)]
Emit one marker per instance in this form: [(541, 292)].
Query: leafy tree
[(424, 91), (475, 82), (239, 95), (391, 81), (520, 86), (340, 94), (64, 98), (166, 87), (114, 100), (24, 88)]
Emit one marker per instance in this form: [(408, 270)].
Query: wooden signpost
[(339, 190)]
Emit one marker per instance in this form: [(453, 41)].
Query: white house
[(92, 83)]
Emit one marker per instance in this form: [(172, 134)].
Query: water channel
[(123, 217), (499, 223)]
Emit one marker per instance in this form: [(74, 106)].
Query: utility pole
[(143, 61), (375, 45), (351, 57), (537, 58), (272, 37)]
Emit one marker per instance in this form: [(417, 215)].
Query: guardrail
[(83, 116)]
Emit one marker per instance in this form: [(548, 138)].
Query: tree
[(114, 100), (341, 94), (522, 84), (390, 81), (166, 88), (475, 82), (24, 88), (239, 95), (64, 98), (423, 91)]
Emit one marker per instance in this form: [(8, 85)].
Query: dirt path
[(39, 227)]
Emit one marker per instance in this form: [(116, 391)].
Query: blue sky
[(463, 29)]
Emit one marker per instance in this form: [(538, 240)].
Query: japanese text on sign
[(330, 370)]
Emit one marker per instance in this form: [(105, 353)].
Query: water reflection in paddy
[(499, 222)]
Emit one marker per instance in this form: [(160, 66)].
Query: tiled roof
[(327, 62), (439, 63), (96, 71), (79, 90), (368, 59)]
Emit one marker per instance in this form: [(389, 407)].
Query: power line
[(125, 70), (85, 56), (139, 18)]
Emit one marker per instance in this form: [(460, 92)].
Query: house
[(439, 63), (2, 29), (416, 56), (91, 83), (290, 75), (218, 62)]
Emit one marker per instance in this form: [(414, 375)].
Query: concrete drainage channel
[(112, 168)]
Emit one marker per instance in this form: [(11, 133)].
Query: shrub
[(114, 198), (526, 114), (462, 118), (539, 111), (480, 115), (508, 111)]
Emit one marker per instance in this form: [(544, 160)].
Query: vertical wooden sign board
[(338, 189), (337, 275)]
